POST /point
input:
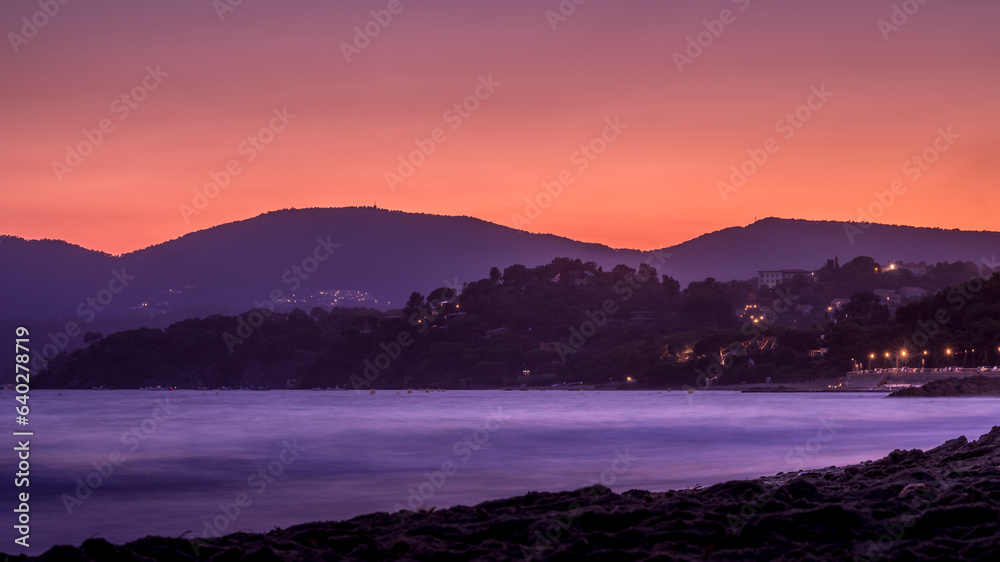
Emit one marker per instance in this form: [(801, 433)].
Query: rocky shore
[(981, 385), (911, 505)]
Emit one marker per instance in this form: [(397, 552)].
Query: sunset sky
[(199, 81)]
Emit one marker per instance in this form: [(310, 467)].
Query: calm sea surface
[(125, 464)]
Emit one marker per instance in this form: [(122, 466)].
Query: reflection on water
[(132, 463)]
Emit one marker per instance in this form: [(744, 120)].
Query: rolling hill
[(388, 254)]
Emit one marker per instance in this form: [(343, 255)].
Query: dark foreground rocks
[(980, 385), (942, 504)]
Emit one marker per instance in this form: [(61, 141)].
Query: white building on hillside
[(775, 277)]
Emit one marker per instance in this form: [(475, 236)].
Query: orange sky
[(656, 184)]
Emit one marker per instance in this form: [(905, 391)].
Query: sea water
[(125, 464)]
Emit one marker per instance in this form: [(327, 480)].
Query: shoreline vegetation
[(572, 322), (909, 505)]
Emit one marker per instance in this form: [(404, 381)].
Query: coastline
[(944, 502)]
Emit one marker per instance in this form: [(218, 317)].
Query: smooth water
[(291, 457)]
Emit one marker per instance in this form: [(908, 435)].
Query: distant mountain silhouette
[(389, 254), (774, 243), (48, 278)]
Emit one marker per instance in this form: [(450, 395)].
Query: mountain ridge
[(389, 254)]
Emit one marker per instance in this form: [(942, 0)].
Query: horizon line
[(375, 207)]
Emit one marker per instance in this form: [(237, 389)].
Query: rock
[(981, 385)]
